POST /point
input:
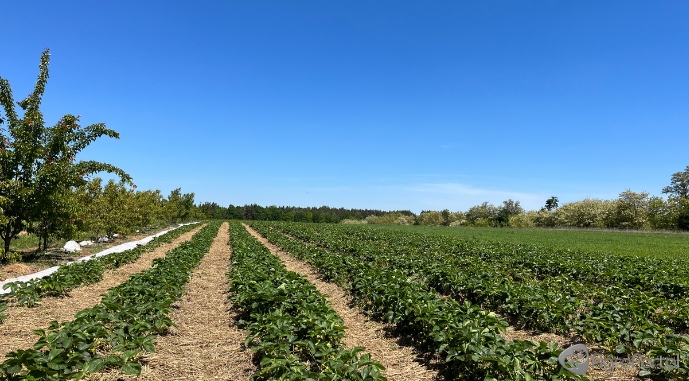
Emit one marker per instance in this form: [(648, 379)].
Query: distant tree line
[(630, 210), (323, 214)]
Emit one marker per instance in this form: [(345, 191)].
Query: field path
[(17, 331), (206, 344), (399, 361)]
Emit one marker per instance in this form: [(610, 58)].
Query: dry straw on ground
[(512, 333), (401, 362), (206, 344), (17, 331)]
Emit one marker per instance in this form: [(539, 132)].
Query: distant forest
[(323, 214)]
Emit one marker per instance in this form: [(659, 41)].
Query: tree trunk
[(7, 237)]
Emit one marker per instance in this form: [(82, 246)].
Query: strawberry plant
[(77, 274), (464, 334), (290, 325), (624, 318), (115, 332)]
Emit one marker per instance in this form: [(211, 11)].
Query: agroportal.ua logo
[(578, 360)]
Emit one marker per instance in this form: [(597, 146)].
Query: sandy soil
[(206, 344)]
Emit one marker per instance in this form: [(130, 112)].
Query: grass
[(24, 243), (656, 244)]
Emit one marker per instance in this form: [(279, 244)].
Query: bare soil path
[(17, 331), (206, 344), (401, 362)]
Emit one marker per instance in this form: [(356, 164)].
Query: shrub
[(524, 220), (588, 213)]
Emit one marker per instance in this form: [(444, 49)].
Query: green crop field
[(443, 288), (655, 244)]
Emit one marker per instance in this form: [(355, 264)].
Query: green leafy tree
[(38, 162), (679, 188), (148, 206), (508, 209), (630, 211), (551, 203), (679, 184), (431, 218), (587, 213), (179, 207), (483, 215)]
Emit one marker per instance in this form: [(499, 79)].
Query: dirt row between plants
[(17, 331), (401, 362), (513, 333), (206, 343)]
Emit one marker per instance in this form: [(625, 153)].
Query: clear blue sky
[(386, 105)]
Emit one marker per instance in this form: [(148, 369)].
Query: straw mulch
[(206, 344), (16, 332), (401, 362)]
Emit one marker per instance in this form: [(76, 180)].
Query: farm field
[(275, 300), (510, 292), (652, 244)]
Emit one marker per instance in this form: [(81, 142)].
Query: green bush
[(588, 213)]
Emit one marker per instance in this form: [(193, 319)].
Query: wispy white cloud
[(415, 197), (457, 196)]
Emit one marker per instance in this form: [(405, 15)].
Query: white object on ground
[(71, 247), (102, 239), (114, 249), (85, 243), (115, 235)]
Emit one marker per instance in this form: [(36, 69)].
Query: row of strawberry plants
[(115, 332), (468, 338), (291, 326), (605, 314), (616, 319), (655, 275), (623, 319), (81, 273)]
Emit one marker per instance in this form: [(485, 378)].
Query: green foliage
[(525, 220), (679, 184), (77, 274), (628, 305), (394, 218), (290, 325), (508, 209), (3, 307), (551, 204), (630, 211), (38, 162), (382, 282), (10, 257), (431, 218), (115, 332), (114, 208), (323, 214), (178, 207), (588, 213), (482, 215)]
